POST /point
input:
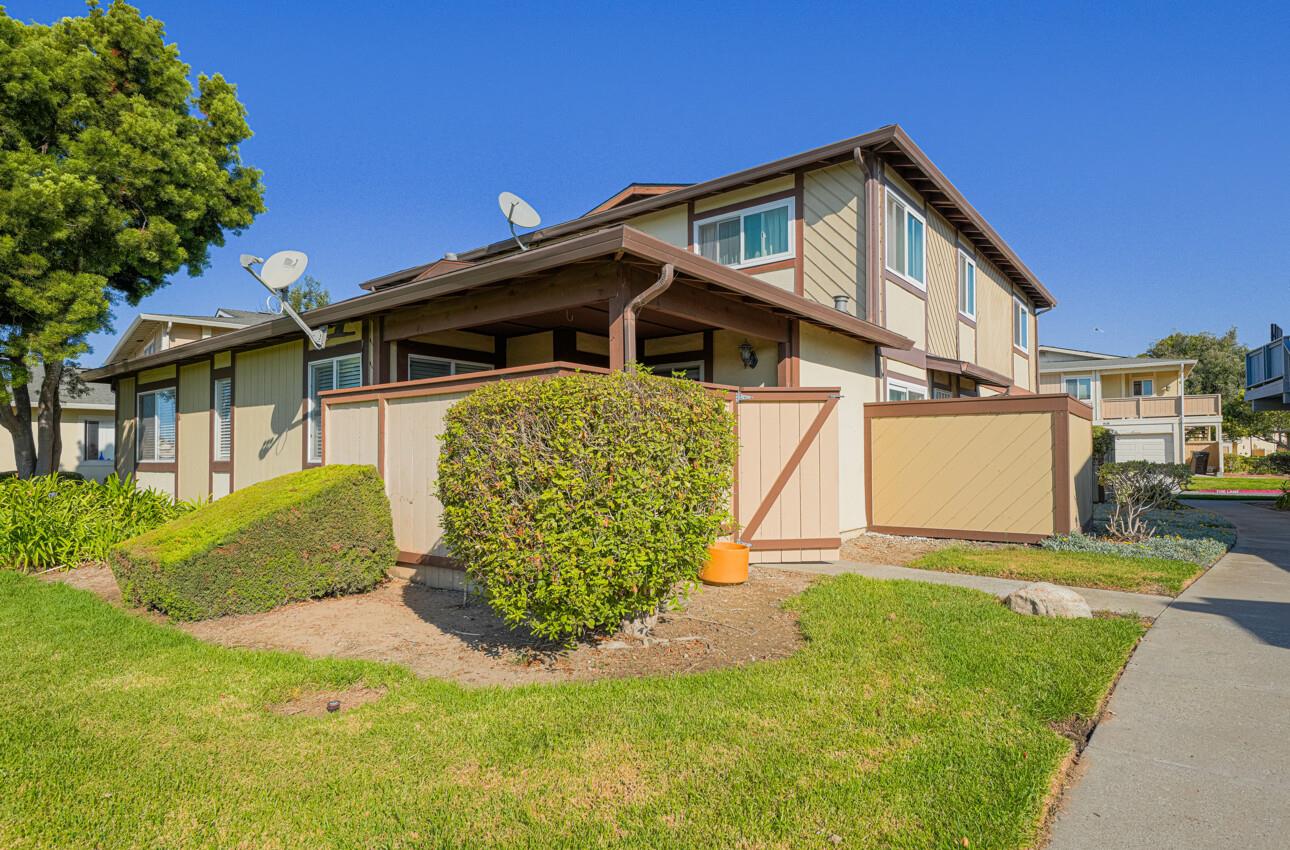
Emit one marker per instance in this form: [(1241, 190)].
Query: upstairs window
[(223, 418), (967, 285), (1080, 388), (1020, 324), (420, 366), (157, 426), (900, 391), (906, 240), (748, 237), (338, 373)]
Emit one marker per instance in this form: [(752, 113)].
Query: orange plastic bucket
[(727, 564)]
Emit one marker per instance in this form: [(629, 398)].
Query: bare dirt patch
[(448, 635), (314, 704), (896, 551)]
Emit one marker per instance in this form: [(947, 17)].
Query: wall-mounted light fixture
[(748, 355)]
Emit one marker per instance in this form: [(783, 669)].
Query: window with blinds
[(338, 373), (157, 426), (420, 366), (223, 418), (749, 237)]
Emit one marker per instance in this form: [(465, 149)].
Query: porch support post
[(1218, 432), (618, 356), (1182, 415)]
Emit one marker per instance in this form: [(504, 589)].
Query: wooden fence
[(786, 479)]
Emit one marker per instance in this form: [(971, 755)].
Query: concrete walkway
[(1139, 604), (1195, 750)]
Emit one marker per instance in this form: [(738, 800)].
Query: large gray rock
[(1048, 600)]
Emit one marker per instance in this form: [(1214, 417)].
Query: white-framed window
[(939, 393), (967, 285), (1144, 386), (1080, 387), (691, 371), (337, 373), (906, 240), (156, 409), (421, 366), (1020, 324), (749, 237), (97, 444), (901, 391), (223, 418)]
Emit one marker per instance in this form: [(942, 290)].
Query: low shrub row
[(1277, 463), (320, 532), (59, 520), (1201, 551)]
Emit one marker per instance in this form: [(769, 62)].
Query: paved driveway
[(1195, 752)]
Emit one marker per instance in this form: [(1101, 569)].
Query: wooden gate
[(786, 479)]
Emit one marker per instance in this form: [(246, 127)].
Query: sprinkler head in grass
[(333, 706)]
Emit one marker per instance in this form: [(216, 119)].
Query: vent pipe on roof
[(840, 303)]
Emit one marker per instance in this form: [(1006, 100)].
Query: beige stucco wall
[(268, 389), (530, 349), (783, 278), (180, 334), (668, 225), (985, 472), (125, 427), (1021, 371), (459, 339), (993, 318), (728, 368), (906, 314), (833, 240), (942, 287), (747, 193), (162, 482), (194, 431), (831, 360), (673, 344), (595, 344), (72, 431), (967, 342), (1081, 466)]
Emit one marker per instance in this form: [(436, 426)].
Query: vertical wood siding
[(994, 318), (833, 249), (125, 425), (194, 405), (413, 426), (268, 426), (942, 287)]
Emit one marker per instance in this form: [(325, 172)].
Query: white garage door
[(1157, 448)]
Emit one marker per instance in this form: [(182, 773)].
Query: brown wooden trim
[(904, 284), (709, 366), (789, 544), (959, 534), (453, 383), (1061, 472), (1045, 403), (717, 212), (618, 302), (913, 357), (868, 466), (872, 167), (795, 353), (381, 405), (689, 302), (775, 266), (418, 559), (794, 460), (799, 266), (160, 466), (964, 320)]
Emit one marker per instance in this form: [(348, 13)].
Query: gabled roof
[(891, 143), (613, 243), (1075, 353), (95, 397), (145, 324), (634, 192), (1116, 364)]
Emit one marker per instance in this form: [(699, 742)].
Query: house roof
[(635, 192), (95, 397), (1113, 364), (144, 325), (613, 243), (1076, 353), (891, 143)]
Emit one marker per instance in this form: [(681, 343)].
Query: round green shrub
[(579, 501)]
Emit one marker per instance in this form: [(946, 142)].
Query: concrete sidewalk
[(1139, 604), (1195, 749)]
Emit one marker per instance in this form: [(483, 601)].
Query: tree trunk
[(49, 414), (16, 419)]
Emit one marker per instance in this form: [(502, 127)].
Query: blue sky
[(1134, 155)]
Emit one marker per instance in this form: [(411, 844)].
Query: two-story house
[(1142, 400), (857, 265)]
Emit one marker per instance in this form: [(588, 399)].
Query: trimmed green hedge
[(320, 532), (580, 501)]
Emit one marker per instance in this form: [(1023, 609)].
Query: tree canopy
[(308, 293), (115, 172)]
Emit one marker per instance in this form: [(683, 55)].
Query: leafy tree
[(308, 294), (114, 174)]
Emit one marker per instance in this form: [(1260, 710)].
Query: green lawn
[(1080, 569), (916, 716), (1261, 483)]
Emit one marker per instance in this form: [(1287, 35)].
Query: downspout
[(634, 307)]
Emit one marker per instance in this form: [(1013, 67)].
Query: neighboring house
[(150, 333), (856, 266), (1250, 446), (1143, 400), (1267, 374), (87, 429)]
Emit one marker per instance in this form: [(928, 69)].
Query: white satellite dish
[(519, 213), (283, 269)]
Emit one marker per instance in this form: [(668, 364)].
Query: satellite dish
[(518, 211), (283, 269)]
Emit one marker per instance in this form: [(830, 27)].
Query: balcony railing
[(1162, 406), (1267, 363)]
